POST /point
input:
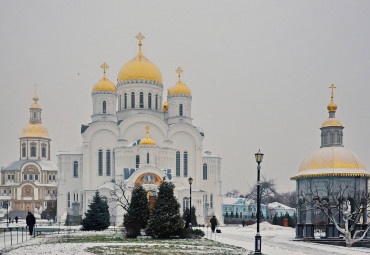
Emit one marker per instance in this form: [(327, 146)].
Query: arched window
[(177, 163), (180, 110), (150, 101), (185, 164), (211, 201), (156, 102), (205, 172), (332, 138), (33, 151), (100, 163), (137, 161), (104, 107), (141, 100), (147, 158), (108, 162), (68, 199), (185, 203), (23, 151), (119, 102), (34, 115), (43, 151), (74, 196), (133, 100), (125, 101), (75, 169)]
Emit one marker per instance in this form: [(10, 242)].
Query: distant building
[(243, 208), (279, 209), (30, 183)]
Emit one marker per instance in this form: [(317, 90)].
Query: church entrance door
[(152, 202)]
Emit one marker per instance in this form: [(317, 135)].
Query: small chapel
[(136, 137)]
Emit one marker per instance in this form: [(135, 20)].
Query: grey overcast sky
[(259, 72)]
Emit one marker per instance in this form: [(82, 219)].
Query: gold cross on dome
[(179, 71), (104, 66), (140, 37), (332, 87), (147, 129)]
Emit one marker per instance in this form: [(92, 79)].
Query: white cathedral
[(135, 139)]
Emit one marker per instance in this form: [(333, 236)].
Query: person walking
[(187, 220), (16, 219), (243, 223), (214, 223), (31, 221)]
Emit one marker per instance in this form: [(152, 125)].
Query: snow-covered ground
[(276, 240)]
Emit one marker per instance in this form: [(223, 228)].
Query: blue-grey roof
[(44, 164)]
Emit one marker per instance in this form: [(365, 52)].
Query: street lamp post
[(259, 157), (7, 212), (190, 180)]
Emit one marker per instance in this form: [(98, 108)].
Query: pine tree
[(275, 220), (138, 212), (97, 217), (193, 216), (165, 220)]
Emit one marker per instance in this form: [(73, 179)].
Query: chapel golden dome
[(147, 140), (180, 87), (104, 84), (330, 122), (165, 106), (140, 67), (35, 130)]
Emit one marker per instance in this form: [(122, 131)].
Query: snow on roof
[(235, 200), (210, 155), (44, 164), (275, 205), (76, 150)]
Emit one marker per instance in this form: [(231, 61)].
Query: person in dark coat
[(31, 221), (16, 219), (187, 220), (214, 223), (243, 223)]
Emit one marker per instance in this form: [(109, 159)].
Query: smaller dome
[(332, 107), (35, 105), (105, 84), (147, 140), (35, 130), (165, 106), (330, 122), (180, 87)]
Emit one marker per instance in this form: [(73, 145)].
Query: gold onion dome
[(35, 130), (165, 106), (180, 87), (331, 122), (104, 84), (140, 67), (147, 140)]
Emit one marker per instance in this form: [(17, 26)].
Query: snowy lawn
[(112, 243)]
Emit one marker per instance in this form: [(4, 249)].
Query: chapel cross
[(332, 87), (179, 71), (104, 66), (147, 129), (140, 37)]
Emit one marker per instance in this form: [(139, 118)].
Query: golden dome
[(165, 106), (34, 130), (331, 161), (104, 84), (140, 67), (180, 87), (331, 122), (35, 105), (147, 140)]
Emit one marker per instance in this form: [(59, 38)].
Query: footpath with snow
[(276, 240)]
